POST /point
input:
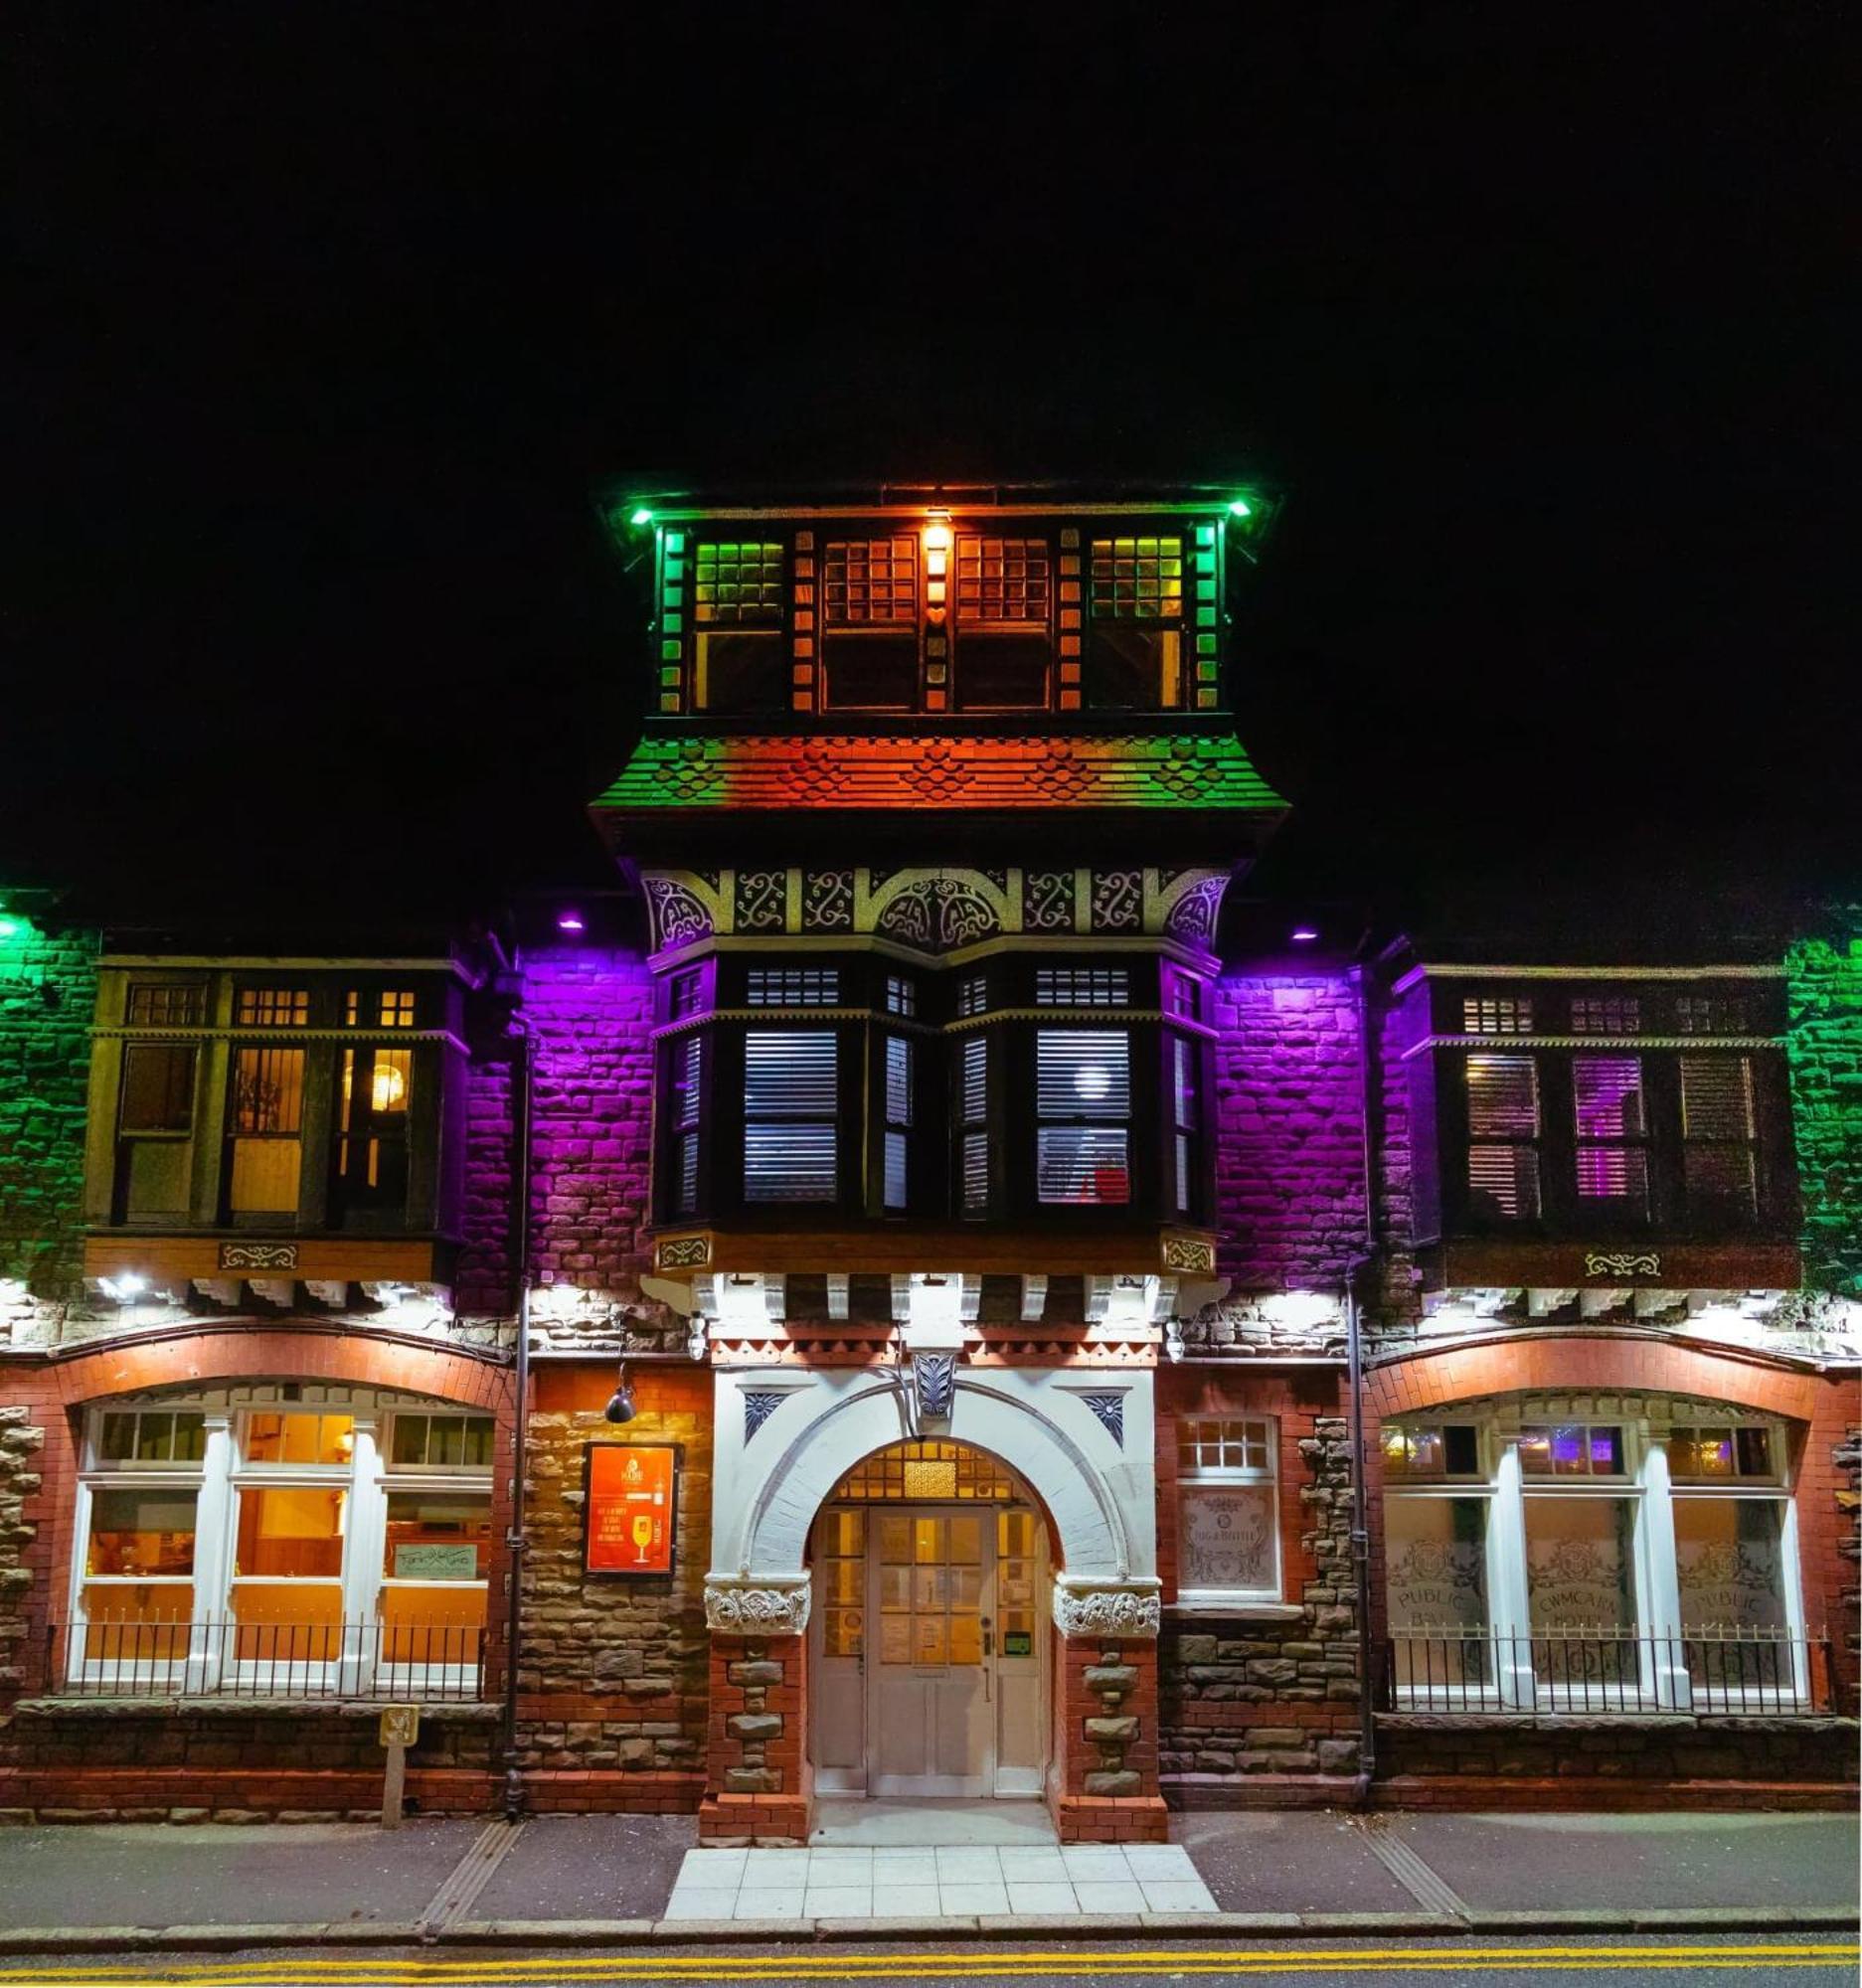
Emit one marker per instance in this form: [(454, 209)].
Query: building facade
[(923, 1287)]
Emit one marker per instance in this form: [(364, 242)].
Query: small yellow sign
[(400, 1725)]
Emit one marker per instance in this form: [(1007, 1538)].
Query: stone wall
[(1261, 1705), (611, 1673), (1824, 1044), (589, 1013), (762, 1783), (1290, 1167), (48, 990)]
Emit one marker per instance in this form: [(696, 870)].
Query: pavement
[(585, 1881)]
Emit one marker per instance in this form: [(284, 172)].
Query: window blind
[(792, 1095)]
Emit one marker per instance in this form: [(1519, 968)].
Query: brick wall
[(48, 990), (761, 1780), (132, 1761), (1435, 1760), (1106, 1741), (611, 1673), (1253, 1707)]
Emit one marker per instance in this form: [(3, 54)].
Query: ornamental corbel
[(1131, 1607), (746, 1606)]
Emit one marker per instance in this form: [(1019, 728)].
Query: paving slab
[(1517, 1861), (1288, 1861), (227, 1873), (590, 1867)]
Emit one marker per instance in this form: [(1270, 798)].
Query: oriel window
[(1004, 610), (374, 1103), (267, 1107), (1083, 1092)]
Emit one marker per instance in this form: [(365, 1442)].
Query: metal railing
[(1606, 1671), (226, 1658)]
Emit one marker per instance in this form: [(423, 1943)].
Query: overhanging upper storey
[(1019, 652)]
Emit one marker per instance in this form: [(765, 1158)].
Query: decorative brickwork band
[(1106, 1609), (775, 1608)]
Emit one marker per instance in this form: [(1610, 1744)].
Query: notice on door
[(631, 1489)]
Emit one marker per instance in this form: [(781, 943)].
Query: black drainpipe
[(516, 1541), (1354, 1381)]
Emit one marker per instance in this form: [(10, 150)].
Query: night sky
[(321, 342)]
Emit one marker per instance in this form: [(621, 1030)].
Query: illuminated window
[(900, 996), (374, 1095), (736, 612), (899, 1087), (1082, 987), (950, 1472), (973, 1123), (301, 1516), (1135, 642), (791, 987), (273, 1007), (870, 628), (1505, 1015), (1503, 1134), (1082, 1101), (1228, 1509), (267, 1105), (1612, 1129), (1431, 1449), (973, 996), (1721, 1454), (389, 1008), (792, 1102)]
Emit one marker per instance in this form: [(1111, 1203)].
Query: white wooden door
[(930, 1651), (929, 1718)]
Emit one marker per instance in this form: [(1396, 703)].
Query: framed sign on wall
[(630, 1493)]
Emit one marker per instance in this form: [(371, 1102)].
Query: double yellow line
[(995, 1963)]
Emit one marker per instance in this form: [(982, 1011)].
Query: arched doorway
[(929, 1626)]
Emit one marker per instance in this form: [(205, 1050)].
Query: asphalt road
[(1462, 1964)]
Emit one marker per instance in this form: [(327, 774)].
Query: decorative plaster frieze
[(751, 1607), (1126, 1608)]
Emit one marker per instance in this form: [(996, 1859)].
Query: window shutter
[(1608, 1094), (898, 1078), (1504, 1180), (1716, 1097), (791, 1093), (688, 1070), (1502, 1097), (974, 1104), (1083, 1073)]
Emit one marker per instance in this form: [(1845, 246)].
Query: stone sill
[(450, 1713), (1819, 1722), (1239, 1612)]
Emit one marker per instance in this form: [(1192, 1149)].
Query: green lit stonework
[(1824, 974)]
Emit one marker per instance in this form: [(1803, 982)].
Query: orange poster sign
[(632, 1488)]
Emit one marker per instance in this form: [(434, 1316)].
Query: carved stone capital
[(752, 1607), (1108, 1609)]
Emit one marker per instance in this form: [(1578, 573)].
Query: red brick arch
[(212, 1355), (1513, 1363)]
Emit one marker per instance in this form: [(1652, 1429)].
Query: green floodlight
[(9, 928), (641, 517), (1240, 507)]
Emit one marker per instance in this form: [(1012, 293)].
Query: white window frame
[(1207, 1477), (1662, 1683), (218, 1480)]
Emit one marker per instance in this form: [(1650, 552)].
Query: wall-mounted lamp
[(1304, 934), (569, 919), (641, 518), (1240, 507), (620, 1407), (125, 1290)]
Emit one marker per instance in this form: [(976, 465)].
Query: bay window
[(1549, 1557), (254, 1543)]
